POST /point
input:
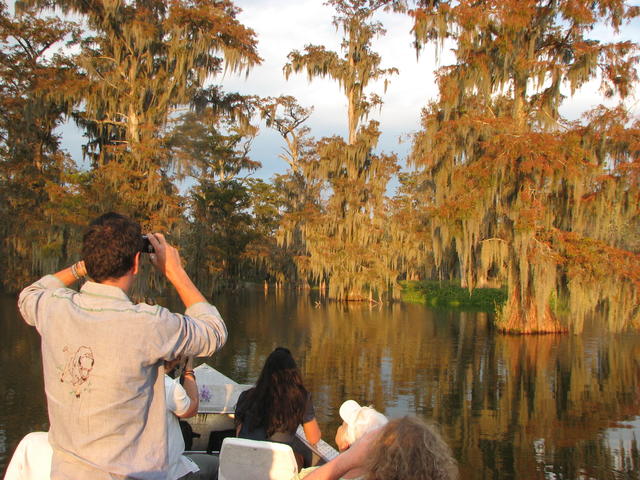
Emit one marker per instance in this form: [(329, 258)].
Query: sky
[(284, 25)]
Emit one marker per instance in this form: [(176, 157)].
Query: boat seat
[(32, 458), (241, 459)]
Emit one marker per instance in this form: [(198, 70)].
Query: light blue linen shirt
[(102, 359)]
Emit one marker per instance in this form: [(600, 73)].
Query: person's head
[(110, 247), (278, 400), (409, 449), (356, 421), (278, 366)]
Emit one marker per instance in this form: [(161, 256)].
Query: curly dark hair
[(277, 402), (109, 246), (409, 449)]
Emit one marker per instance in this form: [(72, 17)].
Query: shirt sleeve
[(199, 332), (32, 299), (309, 411), (178, 401)]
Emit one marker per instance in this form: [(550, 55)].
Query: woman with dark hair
[(273, 409)]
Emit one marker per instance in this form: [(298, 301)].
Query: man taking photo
[(103, 355)]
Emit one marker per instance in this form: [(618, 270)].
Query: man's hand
[(166, 259)]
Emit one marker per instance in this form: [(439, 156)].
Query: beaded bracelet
[(74, 271)]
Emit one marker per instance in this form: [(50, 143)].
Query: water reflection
[(512, 407), (22, 405), (545, 407)]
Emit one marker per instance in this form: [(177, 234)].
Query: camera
[(146, 245)]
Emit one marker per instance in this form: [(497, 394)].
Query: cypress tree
[(518, 189), (142, 59), (345, 235), (39, 205)]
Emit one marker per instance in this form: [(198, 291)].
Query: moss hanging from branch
[(517, 189), (141, 60), (345, 235)]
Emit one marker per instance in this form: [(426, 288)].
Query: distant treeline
[(500, 188)]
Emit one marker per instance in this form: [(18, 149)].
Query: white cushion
[(242, 459)]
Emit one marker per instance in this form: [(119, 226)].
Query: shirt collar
[(102, 290)]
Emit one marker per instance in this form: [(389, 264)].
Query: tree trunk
[(519, 101), (352, 118), (521, 316)]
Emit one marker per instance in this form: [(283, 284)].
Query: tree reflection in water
[(510, 406)]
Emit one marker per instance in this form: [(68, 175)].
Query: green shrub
[(450, 294)]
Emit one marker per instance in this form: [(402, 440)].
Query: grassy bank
[(449, 294)]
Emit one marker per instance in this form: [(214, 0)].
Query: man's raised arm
[(204, 330), (30, 298)]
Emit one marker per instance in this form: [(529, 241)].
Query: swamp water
[(542, 407)]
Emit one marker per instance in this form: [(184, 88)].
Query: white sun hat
[(360, 420)]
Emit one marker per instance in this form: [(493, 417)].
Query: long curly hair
[(409, 449), (277, 402)]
